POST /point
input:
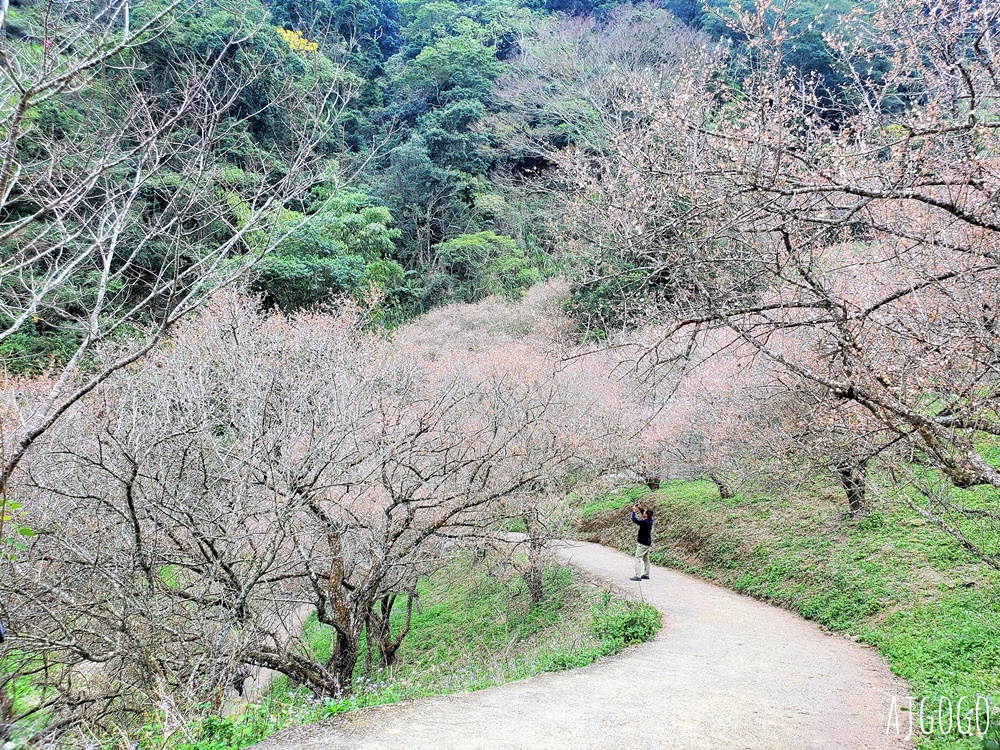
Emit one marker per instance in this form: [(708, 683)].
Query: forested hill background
[(433, 183)]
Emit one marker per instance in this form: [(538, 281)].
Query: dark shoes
[(635, 578), (645, 578)]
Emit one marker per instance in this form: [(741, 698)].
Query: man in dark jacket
[(643, 518)]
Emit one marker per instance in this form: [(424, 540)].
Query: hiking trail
[(725, 671)]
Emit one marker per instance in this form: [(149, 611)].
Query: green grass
[(514, 526), (23, 691), (620, 498), (890, 579), (471, 631)]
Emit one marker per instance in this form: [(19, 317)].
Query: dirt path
[(725, 672)]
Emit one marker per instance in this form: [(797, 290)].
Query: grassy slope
[(471, 631), (889, 580)]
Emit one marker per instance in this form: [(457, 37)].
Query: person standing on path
[(643, 518)]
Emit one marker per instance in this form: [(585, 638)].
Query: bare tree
[(852, 243), (125, 221), (191, 513)]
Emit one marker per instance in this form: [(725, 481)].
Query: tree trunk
[(533, 580), (343, 659), (380, 627), (532, 576), (853, 478), (725, 491), (652, 481)]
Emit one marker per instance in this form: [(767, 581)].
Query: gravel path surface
[(725, 672)]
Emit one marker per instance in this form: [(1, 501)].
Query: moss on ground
[(889, 579)]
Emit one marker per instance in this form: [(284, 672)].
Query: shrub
[(625, 623), (486, 263)]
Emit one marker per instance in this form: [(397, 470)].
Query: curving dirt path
[(726, 671)]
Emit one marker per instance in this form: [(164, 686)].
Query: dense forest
[(303, 304), (426, 184)]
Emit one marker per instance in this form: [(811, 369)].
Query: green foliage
[(429, 23), (626, 624), (622, 497), (451, 142), (261, 55), (451, 69), (486, 263), (340, 248), (425, 75), (294, 282), (574, 7), (250, 72), (232, 732), (34, 348), (58, 122), (426, 197)]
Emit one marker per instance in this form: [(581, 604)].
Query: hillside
[(887, 580), (321, 320)]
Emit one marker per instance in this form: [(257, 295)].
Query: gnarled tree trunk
[(725, 490), (344, 656), (380, 626), (853, 478)]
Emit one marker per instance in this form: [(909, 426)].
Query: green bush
[(341, 246), (228, 733), (625, 623), (572, 659), (32, 348), (486, 263)]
